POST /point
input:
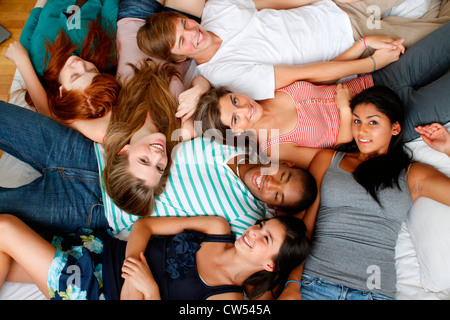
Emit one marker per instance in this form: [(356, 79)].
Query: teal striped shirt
[(200, 183)]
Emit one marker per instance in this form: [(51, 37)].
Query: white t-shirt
[(254, 41)]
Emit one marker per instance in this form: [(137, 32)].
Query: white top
[(254, 41)]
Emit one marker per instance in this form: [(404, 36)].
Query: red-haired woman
[(66, 56)]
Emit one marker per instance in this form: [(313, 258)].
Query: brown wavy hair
[(101, 95), (157, 36), (145, 94)]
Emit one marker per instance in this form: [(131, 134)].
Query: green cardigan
[(45, 23)]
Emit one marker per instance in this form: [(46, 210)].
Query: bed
[(423, 246)]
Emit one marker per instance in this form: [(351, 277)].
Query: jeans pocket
[(82, 176), (308, 281)]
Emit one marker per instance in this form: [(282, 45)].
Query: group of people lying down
[(279, 171)]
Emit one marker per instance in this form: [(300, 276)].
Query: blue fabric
[(76, 270), (141, 9), (421, 79), (316, 288), (67, 195)]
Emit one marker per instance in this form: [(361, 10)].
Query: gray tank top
[(354, 239)]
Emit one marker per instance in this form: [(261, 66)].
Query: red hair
[(101, 95)]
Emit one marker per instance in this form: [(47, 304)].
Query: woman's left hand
[(384, 42), (138, 273), (436, 136)]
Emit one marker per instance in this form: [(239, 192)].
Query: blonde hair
[(145, 94)]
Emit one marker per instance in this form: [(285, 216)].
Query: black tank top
[(172, 260)]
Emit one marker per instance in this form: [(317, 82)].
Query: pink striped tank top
[(318, 114)]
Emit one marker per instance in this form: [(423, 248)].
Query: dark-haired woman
[(197, 258), (366, 191), (304, 118)]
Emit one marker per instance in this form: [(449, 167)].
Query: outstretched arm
[(19, 55), (341, 67)]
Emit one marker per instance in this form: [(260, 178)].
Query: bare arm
[(436, 136), (290, 152), (426, 181), (374, 42), (94, 129), (19, 55), (333, 70), (343, 96), (318, 168), (140, 235)]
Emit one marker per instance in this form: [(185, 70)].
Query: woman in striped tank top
[(304, 118)]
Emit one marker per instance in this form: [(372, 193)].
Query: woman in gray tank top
[(366, 189)]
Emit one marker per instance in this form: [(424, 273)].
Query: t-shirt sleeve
[(256, 81), (109, 13), (30, 27)]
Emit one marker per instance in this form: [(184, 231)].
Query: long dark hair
[(383, 171), (293, 251)]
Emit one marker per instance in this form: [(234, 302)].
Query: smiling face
[(77, 73), (372, 129), (262, 242), (278, 186), (239, 112), (147, 157), (190, 38)]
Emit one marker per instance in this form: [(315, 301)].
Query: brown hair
[(157, 36), (208, 112), (145, 94), (101, 95)]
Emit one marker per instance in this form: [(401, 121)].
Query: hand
[(188, 100), (16, 52), (138, 274), (343, 96), (436, 136), (384, 57), (384, 42)]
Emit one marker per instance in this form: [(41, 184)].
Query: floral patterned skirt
[(76, 270)]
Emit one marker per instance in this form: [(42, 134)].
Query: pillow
[(411, 9), (429, 225)]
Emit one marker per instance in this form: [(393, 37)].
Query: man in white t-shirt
[(251, 46)]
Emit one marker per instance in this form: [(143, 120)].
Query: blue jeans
[(67, 195), (421, 78), (141, 9), (316, 288)]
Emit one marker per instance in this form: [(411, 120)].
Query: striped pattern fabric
[(318, 114), (201, 183)]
